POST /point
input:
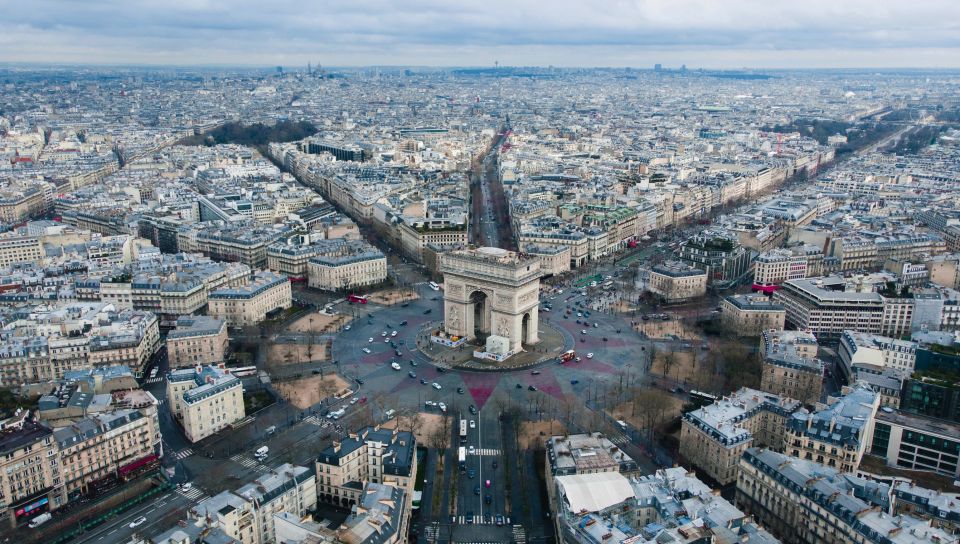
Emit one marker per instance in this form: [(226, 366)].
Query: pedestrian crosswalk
[(184, 453), (486, 451), (431, 532), (620, 439), (478, 520), (519, 535), (158, 379), (194, 494), (248, 462), (315, 420)]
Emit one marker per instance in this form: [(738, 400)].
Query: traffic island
[(459, 354)]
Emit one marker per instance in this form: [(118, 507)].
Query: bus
[(434, 286), (462, 458), (463, 431), (243, 371), (567, 356), (359, 299)]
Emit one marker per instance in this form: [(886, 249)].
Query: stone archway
[(482, 310)]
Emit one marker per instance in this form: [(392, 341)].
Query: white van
[(262, 451), (622, 424), (40, 520), (390, 413)]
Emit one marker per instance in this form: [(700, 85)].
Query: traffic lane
[(119, 529)]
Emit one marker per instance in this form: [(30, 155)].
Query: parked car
[(141, 520)]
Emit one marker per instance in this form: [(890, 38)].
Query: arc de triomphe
[(491, 291)]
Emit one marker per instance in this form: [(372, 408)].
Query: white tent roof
[(594, 492)]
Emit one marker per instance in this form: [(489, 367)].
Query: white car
[(589, 356), (346, 328), (138, 522), (473, 424), (579, 314), (386, 340), (472, 450), (584, 331), (443, 407), (395, 366), (354, 400), (436, 386), (392, 334), (370, 341), (366, 350), (384, 333)]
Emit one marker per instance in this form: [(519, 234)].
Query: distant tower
[(658, 67), (279, 70), (309, 69)]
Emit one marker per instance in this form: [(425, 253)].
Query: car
[(488, 484), (469, 516), (487, 499), (578, 359), (442, 406), (393, 333), (386, 340), (427, 311), (430, 404), (384, 333), (423, 382), (186, 485), (595, 325), (413, 363), (370, 341), (471, 474), (366, 350), (476, 491), (579, 315), (403, 323), (473, 409), (519, 386), (471, 450), (346, 327), (590, 355), (499, 520), (531, 388), (354, 400), (436, 386), (460, 390), (584, 331), (574, 382), (141, 520), (363, 400), (358, 380), (534, 372), (441, 370), (412, 374), (473, 424)]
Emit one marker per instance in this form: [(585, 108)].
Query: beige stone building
[(205, 400), (790, 365), (803, 502), (98, 448), (16, 249), (838, 434), (384, 456), (197, 340), (554, 260), (677, 282), (351, 270), (715, 436), (750, 315), (30, 479), (249, 304)]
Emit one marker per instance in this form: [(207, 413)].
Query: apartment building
[(837, 434), (241, 241), (205, 399), (720, 255), (197, 340), (777, 266), (554, 260), (95, 451), (790, 366), (750, 315), (713, 437), (372, 454), (351, 269), (15, 249), (249, 304), (131, 343), (805, 502), (860, 351), (31, 481), (248, 514), (674, 281), (671, 505)]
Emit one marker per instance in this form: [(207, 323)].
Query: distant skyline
[(568, 33)]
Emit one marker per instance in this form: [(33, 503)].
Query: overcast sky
[(638, 33)]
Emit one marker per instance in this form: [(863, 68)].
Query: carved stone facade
[(491, 291)]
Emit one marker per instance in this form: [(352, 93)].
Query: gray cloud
[(709, 33)]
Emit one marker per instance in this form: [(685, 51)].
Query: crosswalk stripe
[(486, 451), (184, 453), (158, 379)]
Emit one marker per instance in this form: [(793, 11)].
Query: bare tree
[(653, 406), (668, 360)]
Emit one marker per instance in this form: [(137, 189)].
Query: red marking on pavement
[(480, 385), (548, 383), (593, 365)]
